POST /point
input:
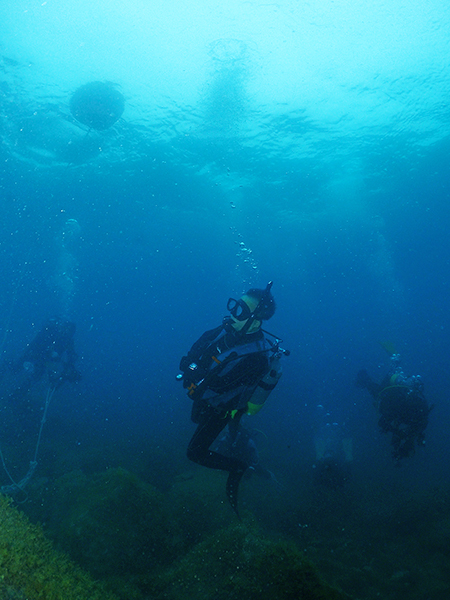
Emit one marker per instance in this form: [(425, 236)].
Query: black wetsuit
[(238, 443), (247, 371), (403, 412), (51, 353)]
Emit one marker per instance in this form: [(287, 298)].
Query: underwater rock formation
[(30, 568), (238, 563), (112, 523), (185, 543)]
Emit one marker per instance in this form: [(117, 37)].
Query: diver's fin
[(388, 347), (233, 481)]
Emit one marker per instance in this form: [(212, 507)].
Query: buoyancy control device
[(266, 384)]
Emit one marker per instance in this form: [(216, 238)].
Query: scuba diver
[(402, 406), (230, 371), (333, 452), (50, 354), (48, 361)]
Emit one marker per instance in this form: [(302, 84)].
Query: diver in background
[(45, 365), (402, 406), (333, 452), (50, 354)]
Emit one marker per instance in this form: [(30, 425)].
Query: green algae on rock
[(30, 568)]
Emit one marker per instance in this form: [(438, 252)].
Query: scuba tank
[(265, 385)]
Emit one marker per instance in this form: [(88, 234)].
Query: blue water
[(304, 143)]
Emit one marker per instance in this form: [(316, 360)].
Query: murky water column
[(66, 276)]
